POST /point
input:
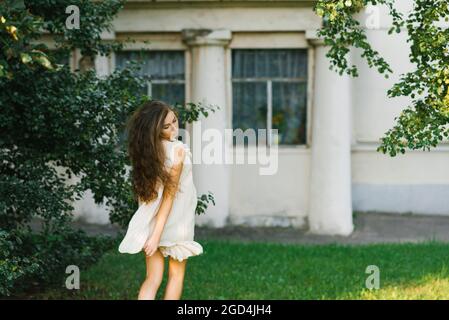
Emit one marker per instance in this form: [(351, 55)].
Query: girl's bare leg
[(176, 271), (153, 280)]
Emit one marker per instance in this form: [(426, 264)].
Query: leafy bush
[(30, 261), (13, 268), (55, 124)]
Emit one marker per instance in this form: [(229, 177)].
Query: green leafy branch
[(422, 124)]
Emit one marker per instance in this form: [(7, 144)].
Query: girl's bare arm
[(168, 197)]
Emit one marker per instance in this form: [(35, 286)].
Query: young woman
[(163, 226)]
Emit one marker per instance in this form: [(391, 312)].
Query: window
[(166, 69), (269, 91)]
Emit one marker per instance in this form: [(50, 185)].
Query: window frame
[(269, 87), (160, 81), (271, 40)]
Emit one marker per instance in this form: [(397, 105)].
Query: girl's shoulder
[(170, 147), (169, 144)]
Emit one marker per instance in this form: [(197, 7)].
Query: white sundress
[(178, 233)]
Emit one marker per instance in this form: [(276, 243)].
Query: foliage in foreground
[(35, 261), (60, 135)]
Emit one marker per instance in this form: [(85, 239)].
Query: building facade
[(261, 62)]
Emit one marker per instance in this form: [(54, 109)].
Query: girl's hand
[(151, 245)]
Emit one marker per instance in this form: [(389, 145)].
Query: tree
[(422, 124), (54, 124)]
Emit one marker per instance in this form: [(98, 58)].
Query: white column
[(208, 86), (330, 210)]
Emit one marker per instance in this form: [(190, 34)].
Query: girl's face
[(171, 127)]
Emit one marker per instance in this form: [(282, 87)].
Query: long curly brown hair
[(146, 150)]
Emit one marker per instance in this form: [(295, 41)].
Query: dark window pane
[(289, 111), (166, 64), (158, 64), (272, 63), (170, 93), (121, 58), (249, 106)]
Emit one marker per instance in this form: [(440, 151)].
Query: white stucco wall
[(280, 199), (416, 182)]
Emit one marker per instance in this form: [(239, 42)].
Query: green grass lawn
[(235, 270)]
